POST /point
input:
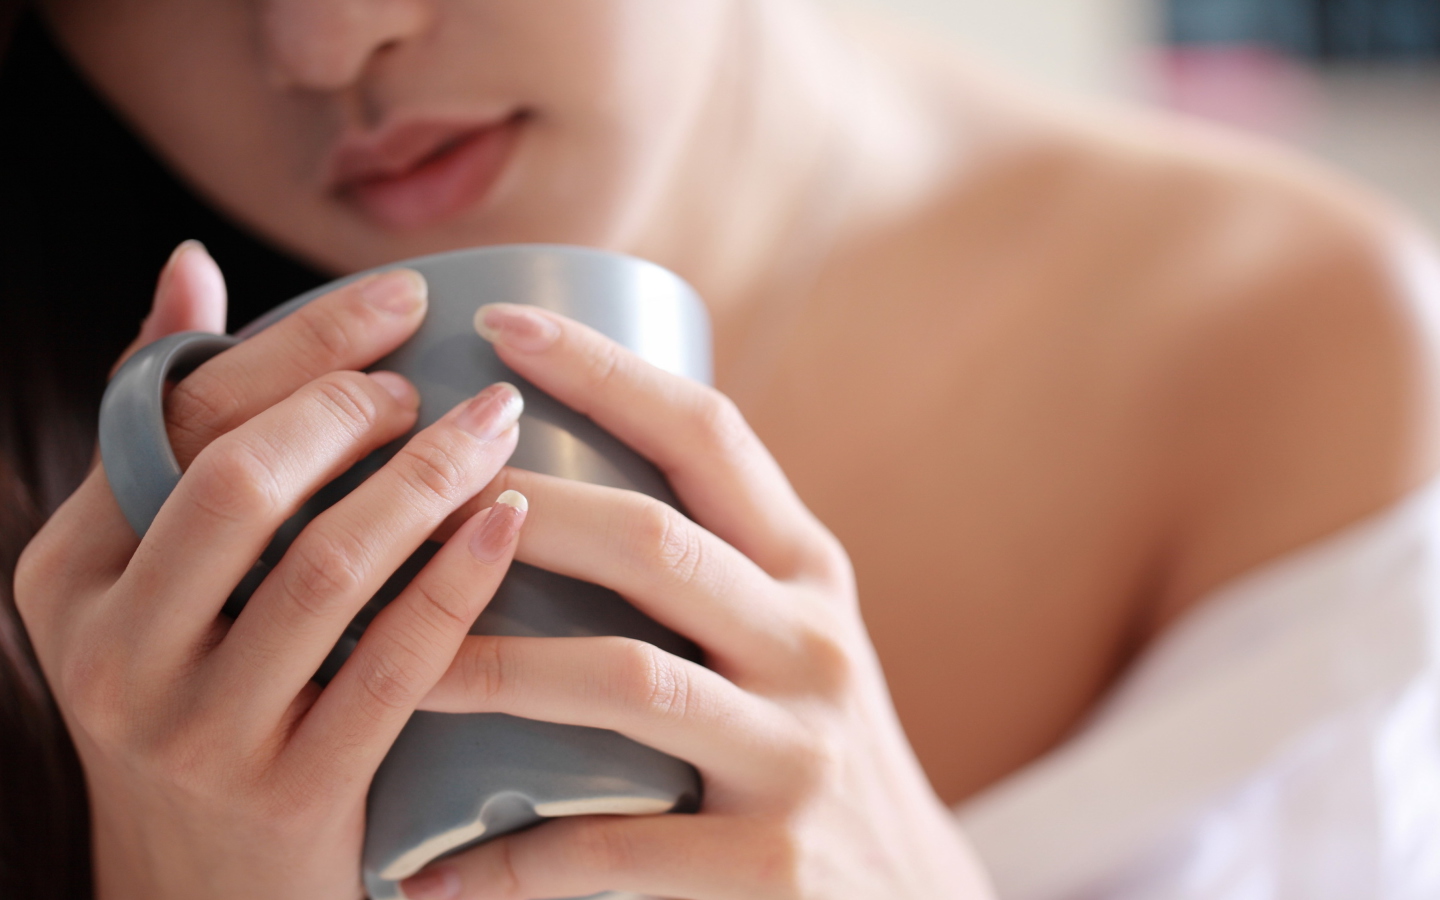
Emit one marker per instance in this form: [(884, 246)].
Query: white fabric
[(1282, 742)]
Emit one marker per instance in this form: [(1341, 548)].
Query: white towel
[(1281, 742)]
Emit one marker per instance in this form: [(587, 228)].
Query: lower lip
[(440, 188)]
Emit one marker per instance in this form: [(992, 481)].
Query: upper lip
[(396, 149)]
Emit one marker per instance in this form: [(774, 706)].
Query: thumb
[(189, 296)]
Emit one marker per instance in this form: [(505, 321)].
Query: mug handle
[(135, 447)]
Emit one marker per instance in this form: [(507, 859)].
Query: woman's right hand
[(215, 767)]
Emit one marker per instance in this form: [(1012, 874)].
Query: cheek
[(187, 76)]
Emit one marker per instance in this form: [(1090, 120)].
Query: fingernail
[(435, 884), (516, 327), (169, 267), (497, 532), (399, 291), (492, 411), (182, 247), (397, 387)]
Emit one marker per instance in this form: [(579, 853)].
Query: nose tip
[(327, 45)]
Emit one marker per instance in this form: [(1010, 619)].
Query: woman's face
[(355, 132)]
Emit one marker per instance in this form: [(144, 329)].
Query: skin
[(1050, 374)]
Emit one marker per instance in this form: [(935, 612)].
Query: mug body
[(452, 780)]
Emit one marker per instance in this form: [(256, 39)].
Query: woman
[(1051, 377)]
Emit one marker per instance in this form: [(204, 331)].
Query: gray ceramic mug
[(454, 780)]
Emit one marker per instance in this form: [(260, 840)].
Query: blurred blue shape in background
[(1315, 29)]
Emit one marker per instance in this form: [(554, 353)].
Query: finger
[(348, 328), (411, 643), (238, 492), (189, 296), (667, 566), (694, 434), (342, 558), (661, 856), (629, 686)]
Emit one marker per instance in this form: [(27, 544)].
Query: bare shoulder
[(1286, 320), (1280, 319), (1305, 363)]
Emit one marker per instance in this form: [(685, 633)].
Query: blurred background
[(1355, 81)]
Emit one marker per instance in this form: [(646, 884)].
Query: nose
[(326, 45)]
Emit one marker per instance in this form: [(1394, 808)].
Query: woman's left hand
[(811, 790)]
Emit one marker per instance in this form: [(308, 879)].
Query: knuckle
[(433, 470), (344, 397), (719, 424), (669, 538), (236, 483), (484, 669), (320, 326), (825, 557), (827, 661), (389, 678), (442, 605), (323, 570), (653, 680), (836, 564), (606, 362), (200, 407)]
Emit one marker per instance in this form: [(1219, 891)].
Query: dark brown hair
[(87, 217), (9, 12)]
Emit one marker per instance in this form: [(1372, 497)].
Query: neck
[(804, 137)]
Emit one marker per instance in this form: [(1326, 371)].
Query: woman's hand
[(216, 768), (811, 790)]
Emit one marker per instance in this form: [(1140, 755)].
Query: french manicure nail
[(436, 884), (396, 386), (516, 327), (497, 532), (492, 411), (399, 291)]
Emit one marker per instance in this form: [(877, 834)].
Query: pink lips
[(422, 173)]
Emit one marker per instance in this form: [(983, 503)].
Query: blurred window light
[(1315, 29)]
